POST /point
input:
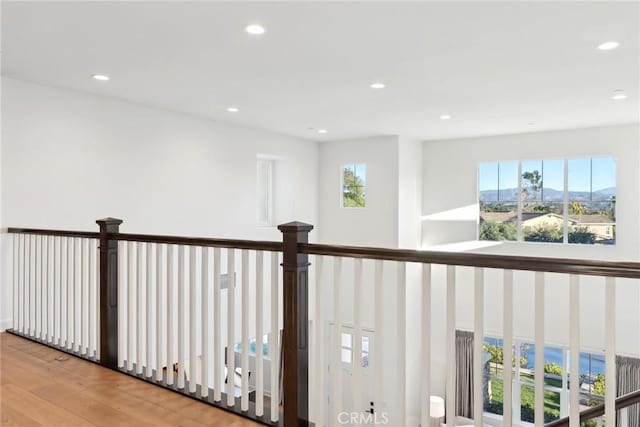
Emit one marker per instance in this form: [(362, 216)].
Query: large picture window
[(552, 201), (558, 378)]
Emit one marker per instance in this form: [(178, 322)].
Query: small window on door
[(346, 350)]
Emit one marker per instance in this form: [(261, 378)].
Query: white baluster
[(204, 391), (139, 311), (274, 339), (130, 305), (83, 303), (170, 310), (320, 347), (336, 347), (244, 394), (149, 327), (574, 340), (259, 334), (451, 347), (357, 336), (160, 332), (401, 308), (71, 306), (15, 277), (193, 380), (507, 350), (379, 307), (122, 301), (478, 351), (231, 320), (92, 283), (610, 351), (539, 354), (425, 401), (217, 360), (180, 331)]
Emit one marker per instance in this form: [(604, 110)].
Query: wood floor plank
[(40, 386), (38, 410)]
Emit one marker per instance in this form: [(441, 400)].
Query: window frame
[(566, 201), (562, 391), (270, 164), (342, 184)]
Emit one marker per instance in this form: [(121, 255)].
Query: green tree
[(581, 235), (353, 190), (553, 369), (492, 230), (531, 186), (577, 208), (496, 353), (543, 233)]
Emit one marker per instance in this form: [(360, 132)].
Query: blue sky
[(604, 174)]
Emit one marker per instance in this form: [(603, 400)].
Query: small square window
[(346, 340), (346, 355)]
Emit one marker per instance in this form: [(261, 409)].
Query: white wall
[(450, 183), (450, 223), (69, 158), (375, 224)]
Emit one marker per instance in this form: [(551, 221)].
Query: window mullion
[(519, 204), (565, 230)]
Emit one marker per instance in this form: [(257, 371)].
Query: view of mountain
[(550, 195)]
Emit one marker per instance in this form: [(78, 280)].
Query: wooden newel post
[(108, 292), (296, 324)]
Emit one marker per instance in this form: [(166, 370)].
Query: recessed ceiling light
[(608, 45), (618, 95), (322, 131), (101, 77), (445, 117), (255, 29), (531, 123), (377, 85), (233, 109)]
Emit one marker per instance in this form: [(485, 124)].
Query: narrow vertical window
[(265, 170), (498, 196), (354, 183), (592, 200), (542, 195)]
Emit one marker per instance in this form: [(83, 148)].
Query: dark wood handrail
[(598, 411), (45, 232), (507, 262), (260, 245)]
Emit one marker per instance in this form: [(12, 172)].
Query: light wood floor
[(40, 386)]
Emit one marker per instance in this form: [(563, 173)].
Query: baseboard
[(5, 324)]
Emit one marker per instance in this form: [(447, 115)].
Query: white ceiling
[(495, 67)]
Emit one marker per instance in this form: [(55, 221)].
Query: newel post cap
[(295, 227), (109, 221)]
